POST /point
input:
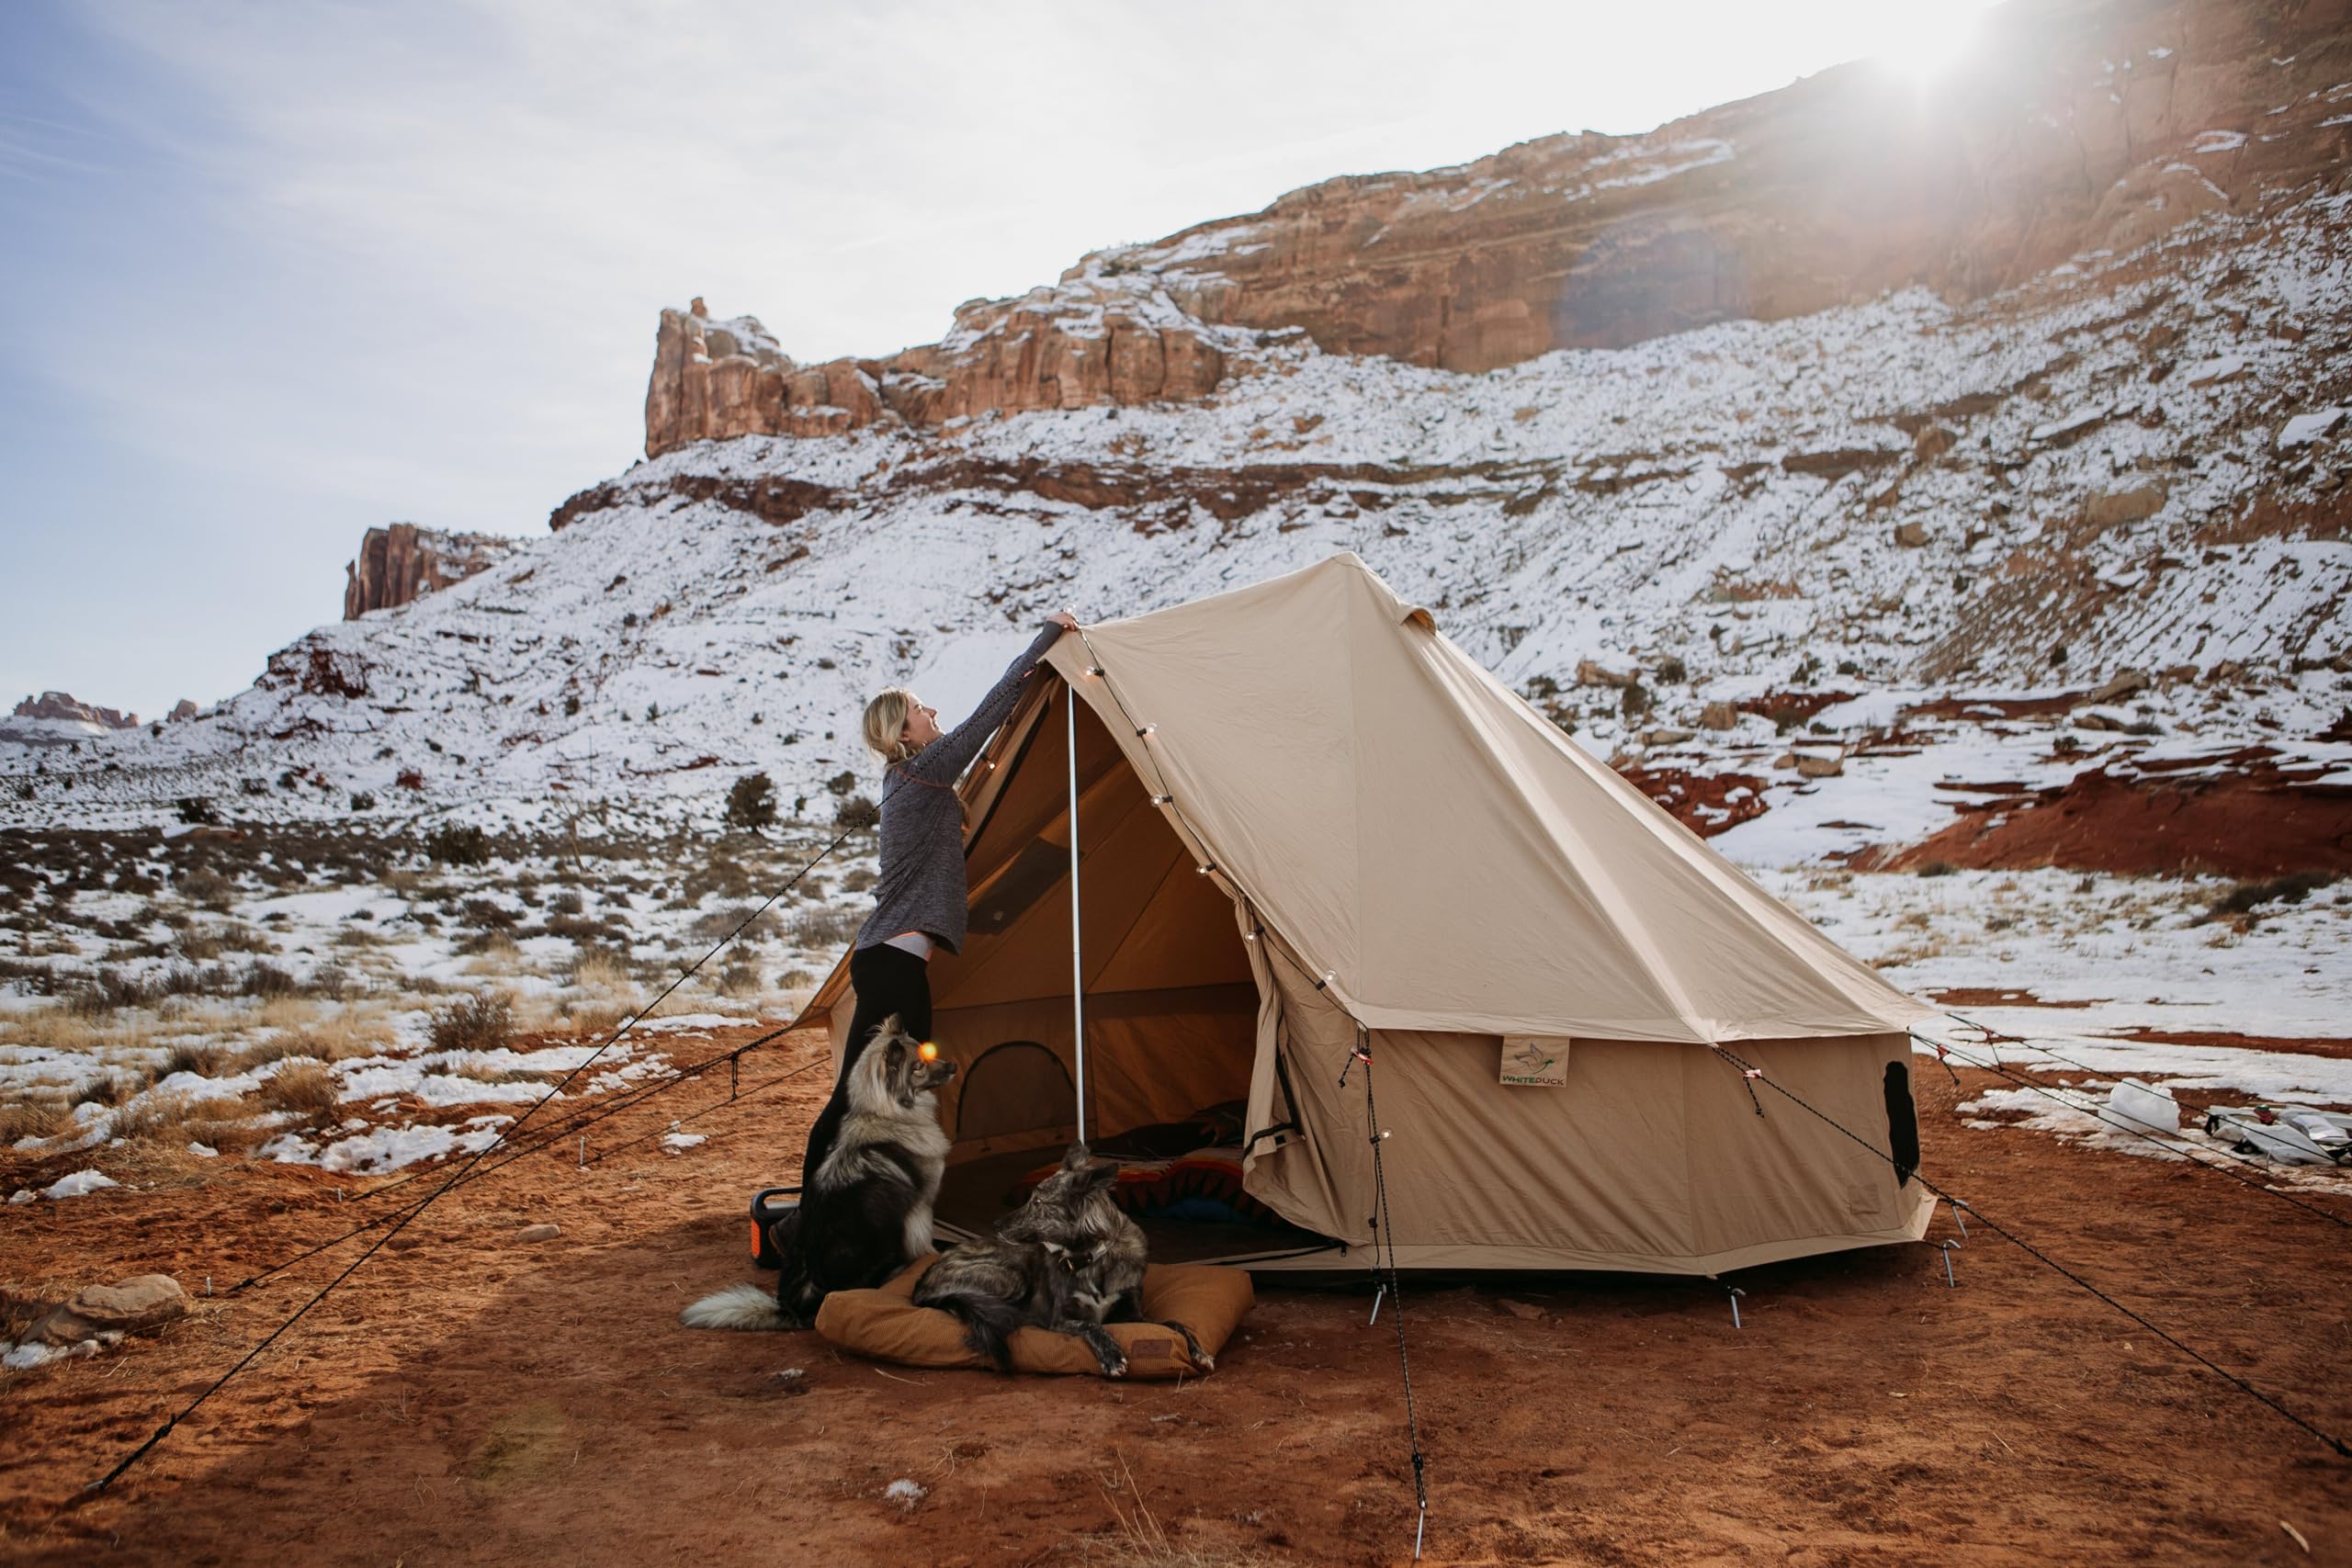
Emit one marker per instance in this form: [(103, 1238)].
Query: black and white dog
[(864, 1211)]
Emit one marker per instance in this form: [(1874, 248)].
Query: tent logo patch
[(1540, 1060)]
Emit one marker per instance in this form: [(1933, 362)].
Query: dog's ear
[(1077, 1158)]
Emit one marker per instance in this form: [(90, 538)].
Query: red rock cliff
[(2074, 126), (403, 562)]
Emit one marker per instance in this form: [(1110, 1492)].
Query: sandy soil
[(473, 1399)]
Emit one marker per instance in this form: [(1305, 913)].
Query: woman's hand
[(1063, 619)]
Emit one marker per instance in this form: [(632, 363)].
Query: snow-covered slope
[(2115, 465)]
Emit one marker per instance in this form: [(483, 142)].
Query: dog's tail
[(736, 1306), (987, 1324)]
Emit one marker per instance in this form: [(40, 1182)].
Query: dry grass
[(742, 981), (307, 1088), (32, 1119), (1142, 1541), (585, 1019), (218, 1122), (599, 970)]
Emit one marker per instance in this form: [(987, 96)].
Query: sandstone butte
[(398, 563), (2051, 142)]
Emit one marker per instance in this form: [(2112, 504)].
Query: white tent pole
[(1076, 966)]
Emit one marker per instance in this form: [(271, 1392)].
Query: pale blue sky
[(271, 273)]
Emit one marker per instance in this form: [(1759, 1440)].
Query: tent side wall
[(1651, 1159)]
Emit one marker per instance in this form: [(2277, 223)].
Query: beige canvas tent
[(1302, 812)]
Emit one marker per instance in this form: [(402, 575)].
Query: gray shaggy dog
[(1066, 1261), (866, 1210)]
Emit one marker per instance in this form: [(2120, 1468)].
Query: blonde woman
[(920, 902)]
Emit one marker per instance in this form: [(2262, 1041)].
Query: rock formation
[(62, 705), (2077, 128), (400, 563)]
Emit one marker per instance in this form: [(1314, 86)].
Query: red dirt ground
[(1698, 800), (472, 1399), (2251, 824)]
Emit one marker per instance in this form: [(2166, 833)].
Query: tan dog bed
[(887, 1325)]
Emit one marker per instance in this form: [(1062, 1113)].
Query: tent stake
[(1375, 1305), (1735, 1294), (1077, 964), (1946, 1246)]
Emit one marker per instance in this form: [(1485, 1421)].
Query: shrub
[(195, 810), (2292, 889), (841, 784), (334, 982), (409, 778), (1635, 701), (756, 926), (652, 713), (741, 979), (453, 844), (750, 804), (571, 706), (1671, 671), (186, 1058), (487, 915), (305, 1086), (266, 979), (482, 1022), (363, 801), (1937, 868), (824, 927), (857, 814)]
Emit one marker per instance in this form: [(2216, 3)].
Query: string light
[(1163, 800), (1205, 870), (1148, 729)]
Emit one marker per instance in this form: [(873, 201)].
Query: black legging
[(885, 980)]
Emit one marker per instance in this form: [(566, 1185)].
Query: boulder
[(1816, 767), (2116, 687), (1932, 442), (1591, 674), (2117, 508), (1911, 535), (1719, 716), (128, 1307)]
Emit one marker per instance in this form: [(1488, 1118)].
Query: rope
[(2186, 1152), (1757, 1075), (404, 1217), (1384, 1224)]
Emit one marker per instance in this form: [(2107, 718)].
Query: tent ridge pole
[(1077, 964)]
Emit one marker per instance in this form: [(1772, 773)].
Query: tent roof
[(1413, 828)]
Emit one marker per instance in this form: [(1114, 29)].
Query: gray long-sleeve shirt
[(922, 886)]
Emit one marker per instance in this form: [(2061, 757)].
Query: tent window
[(1902, 1122)]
